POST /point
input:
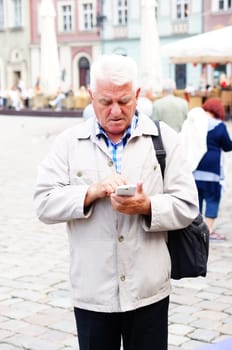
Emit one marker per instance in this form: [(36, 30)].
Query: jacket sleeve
[(177, 206), (226, 142), (55, 199)]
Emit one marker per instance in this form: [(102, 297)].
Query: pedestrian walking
[(210, 172), (120, 265), (169, 108)]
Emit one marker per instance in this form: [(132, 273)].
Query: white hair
[(114, 68), (169, 86)]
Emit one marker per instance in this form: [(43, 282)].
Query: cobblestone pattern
[(35, 302)]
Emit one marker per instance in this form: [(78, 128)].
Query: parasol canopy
[(150, 56), (210, 47), (49, 59)]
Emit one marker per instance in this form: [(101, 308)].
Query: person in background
[(82, 97), (145, 101), (223, 81), (210, 171), (27, 94), (37, 88), (57, 101), (15, 98), (3, 98), (120, 264), (88, 112), (230, 83), (193, 136), (145, 105), (171, 109)]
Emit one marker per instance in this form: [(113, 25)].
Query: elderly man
[(120, 264)]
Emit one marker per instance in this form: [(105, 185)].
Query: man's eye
[(105, 103), (123, 102), (120, 102)]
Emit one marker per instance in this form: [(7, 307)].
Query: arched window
[(83, 71)]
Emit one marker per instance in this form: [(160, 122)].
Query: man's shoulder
[(159, 100), (169, 99), (181, 100), (82, 129)]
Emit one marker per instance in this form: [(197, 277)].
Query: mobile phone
[(126, 190)]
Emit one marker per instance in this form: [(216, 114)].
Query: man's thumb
[(140, 187)]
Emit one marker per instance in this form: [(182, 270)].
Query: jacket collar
[(145, 126)]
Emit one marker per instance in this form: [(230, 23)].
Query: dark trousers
[(145, 328)]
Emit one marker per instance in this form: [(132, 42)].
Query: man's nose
[(115, 109)]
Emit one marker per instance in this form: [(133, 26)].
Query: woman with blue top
[(209, 172)]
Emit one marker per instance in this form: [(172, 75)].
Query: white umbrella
[(150, 56), (210, 47), (49, 59)]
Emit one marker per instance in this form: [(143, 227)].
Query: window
[(182, 9), (88, 16), (156, 11), (180, 76), (83, 72), (221, 5), (122, 17), (17, 13), (67, 18), (224, 5), (87, 11), (1, 14)]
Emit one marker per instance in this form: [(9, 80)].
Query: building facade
[(84, 29), (176, 19), (179, 19), (217, 14), (78, 37), (14, 39)]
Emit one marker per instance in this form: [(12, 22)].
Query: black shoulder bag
[(189, 246)]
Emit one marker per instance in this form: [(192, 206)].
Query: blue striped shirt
[(116, 149)]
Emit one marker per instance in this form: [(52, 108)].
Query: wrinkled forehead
[(107, 87)]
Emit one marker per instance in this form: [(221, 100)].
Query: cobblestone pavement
[(35, 301)]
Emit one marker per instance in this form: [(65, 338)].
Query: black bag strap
[(159, 148)]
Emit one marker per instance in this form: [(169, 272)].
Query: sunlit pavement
[(35, 300)]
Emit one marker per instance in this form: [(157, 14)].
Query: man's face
[(114, 107)]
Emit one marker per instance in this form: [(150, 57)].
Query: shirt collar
[(101, 132)]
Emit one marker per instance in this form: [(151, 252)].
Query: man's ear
[(90, 94), (137, 93)]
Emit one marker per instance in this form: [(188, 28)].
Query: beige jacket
[(118, 262)]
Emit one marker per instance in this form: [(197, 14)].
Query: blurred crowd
[(19, 97)]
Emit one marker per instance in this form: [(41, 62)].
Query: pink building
[(78, 39), (216, 14)]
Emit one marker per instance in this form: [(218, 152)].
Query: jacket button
[(110, 163), (122, 278), (79, 173), (121, 238)]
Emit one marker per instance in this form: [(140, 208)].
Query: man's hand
[(104, 188), (138, 204)]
